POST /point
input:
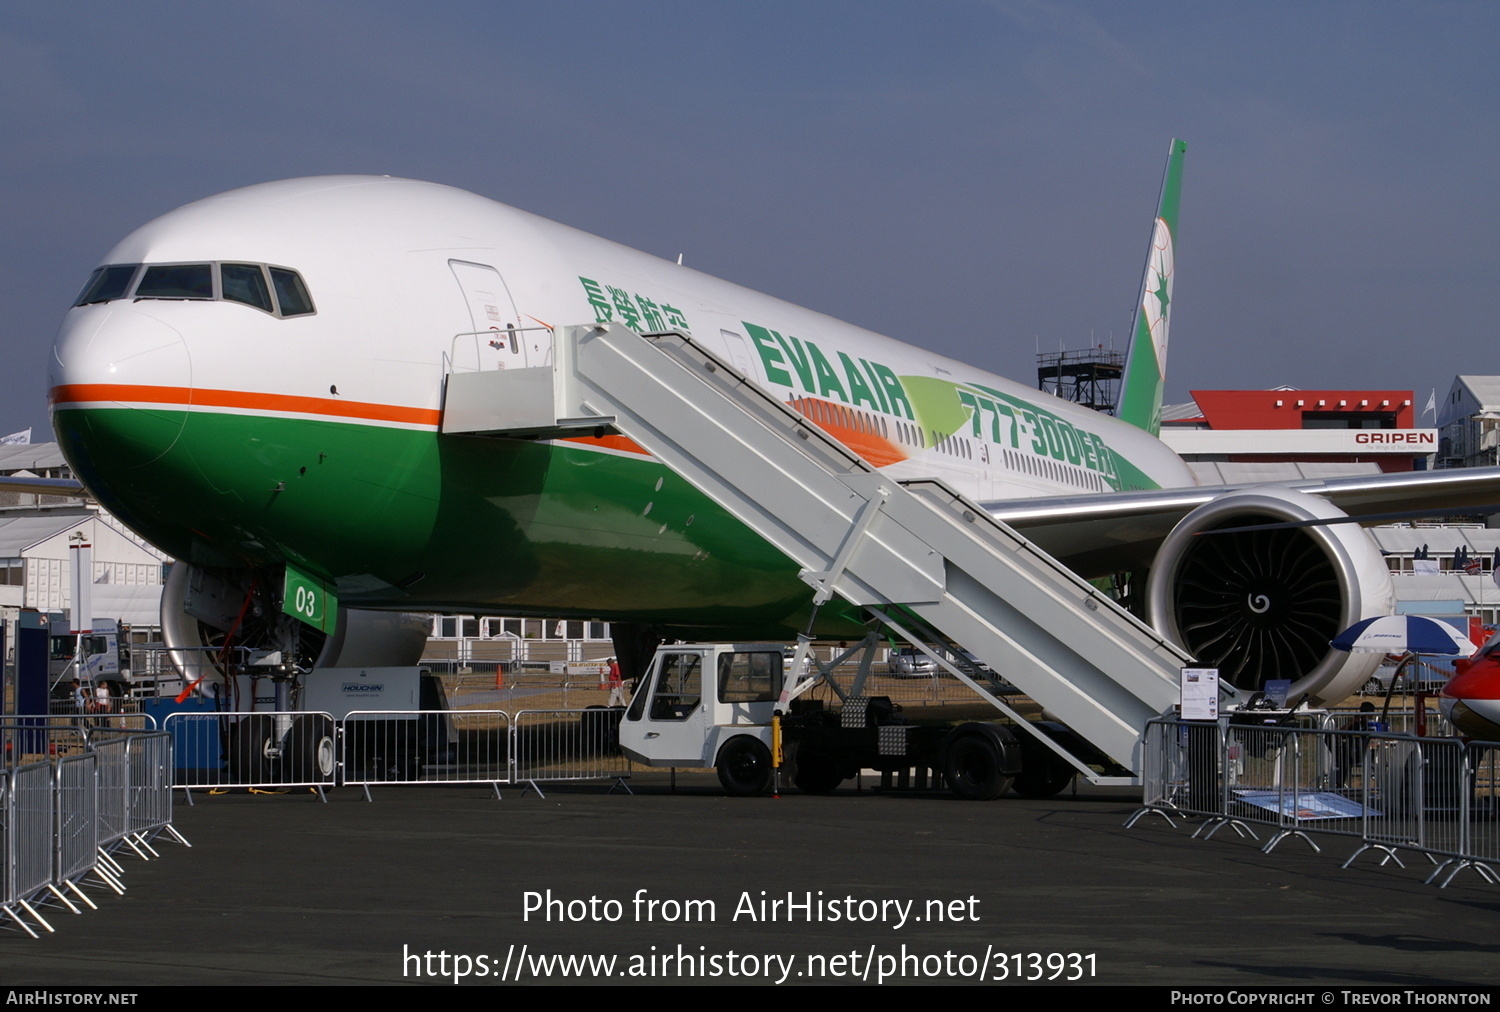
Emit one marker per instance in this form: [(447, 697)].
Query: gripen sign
[(1412, 437)]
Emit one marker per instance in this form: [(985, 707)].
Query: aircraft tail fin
[(1146, 362)]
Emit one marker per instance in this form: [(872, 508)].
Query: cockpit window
[(107, 283), (227, 282), (246, 283), (291, 293), (177, 281)]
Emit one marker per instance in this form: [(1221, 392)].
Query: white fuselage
[(397, 268), (256, 436)]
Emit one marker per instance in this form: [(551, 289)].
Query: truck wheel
[(816, 773), (975, 768), (744, 767), (314, 754), (251, 744), (1042, 776)]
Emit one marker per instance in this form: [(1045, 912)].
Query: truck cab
[(101, 655), (708, 704)]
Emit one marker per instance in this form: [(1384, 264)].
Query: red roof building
[(1310, 433)]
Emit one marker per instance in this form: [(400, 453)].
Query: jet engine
[(1260, 605), (204, 611)]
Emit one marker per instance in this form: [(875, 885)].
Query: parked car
[(1427, 675), (909, 662), (983, 672)]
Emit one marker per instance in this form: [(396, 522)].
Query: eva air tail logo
[(1158, 295)]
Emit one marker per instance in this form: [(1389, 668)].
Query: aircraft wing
[(1099, 534), (26, 485)]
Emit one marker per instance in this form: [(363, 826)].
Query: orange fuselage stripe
[(878, 451), (613, 442), (193, 397)]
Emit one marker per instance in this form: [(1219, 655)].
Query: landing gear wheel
[(975, 768), (816, 773), (252, 744), (314, 754), (744, 767)]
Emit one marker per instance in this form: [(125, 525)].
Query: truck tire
[(250, 743), (744, 767), (313, 751), (1042, 776), (974, 767), (817, 773)]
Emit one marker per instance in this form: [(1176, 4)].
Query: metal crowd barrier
[(426, 747), (1399, 719), (76, 834), (266, 750), (6, 899), (1286, 778), (1484, 803), (114, 790), (1391, 792), (472, 746), (28, 830), (29, 739), (148, 810), (36, 739), (1183, 769), (60, 817), (555, 745), (139, 764), (7, 885)]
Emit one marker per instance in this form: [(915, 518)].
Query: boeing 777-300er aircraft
[(254, 382)]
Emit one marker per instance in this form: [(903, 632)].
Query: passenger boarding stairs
[(927, 562)]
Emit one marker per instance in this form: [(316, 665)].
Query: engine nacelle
[(1260, 605), (201, 608), (376, 639)]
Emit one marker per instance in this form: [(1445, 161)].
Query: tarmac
[(432, 885)]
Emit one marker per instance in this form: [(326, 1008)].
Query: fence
[(261, 749), (28, 833), (76, 830), (1389, 792), (135, 788), (149, 807), (60, 819), (1417, 715), (555, 745), (29, 739), (114, 790), (267, 750), (429, 746)]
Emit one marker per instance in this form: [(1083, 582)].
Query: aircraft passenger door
[(739, 354), (490, 309)]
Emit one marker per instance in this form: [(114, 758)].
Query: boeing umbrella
[(1409, 635), (1404, 634)]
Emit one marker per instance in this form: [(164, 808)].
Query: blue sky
[(974, 177)]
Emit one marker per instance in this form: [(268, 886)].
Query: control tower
[(1090, 377)]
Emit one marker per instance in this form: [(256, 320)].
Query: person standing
[(616, 683)]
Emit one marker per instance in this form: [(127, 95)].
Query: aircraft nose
[(120, 381)]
